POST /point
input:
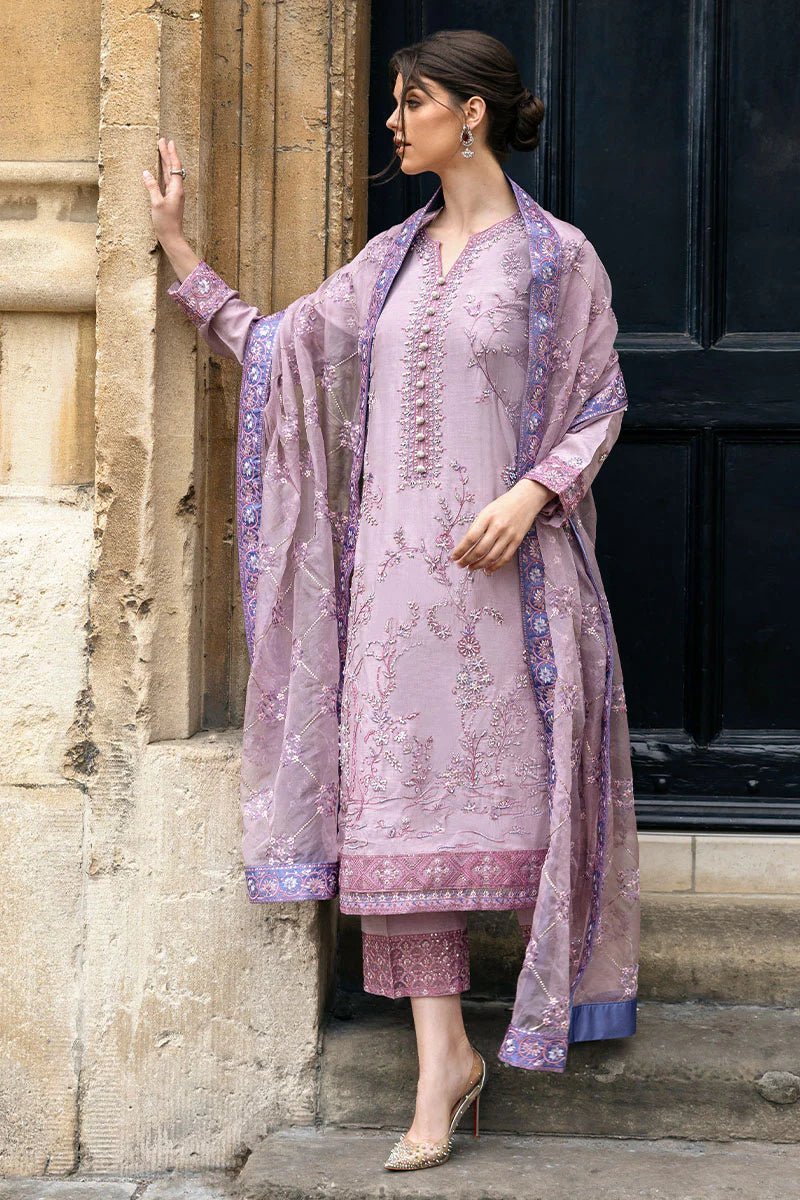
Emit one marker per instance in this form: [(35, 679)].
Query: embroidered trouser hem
[(420, 954)]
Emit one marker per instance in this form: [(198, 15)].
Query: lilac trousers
[(420, 954)]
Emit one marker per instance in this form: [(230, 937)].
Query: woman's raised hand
[(166, 208)]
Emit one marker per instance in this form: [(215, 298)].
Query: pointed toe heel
[(411, 1156)]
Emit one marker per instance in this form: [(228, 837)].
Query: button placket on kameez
[(430, 311)]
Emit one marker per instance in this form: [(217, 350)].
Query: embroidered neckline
[(474, 239)]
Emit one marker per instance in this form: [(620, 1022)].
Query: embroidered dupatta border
[(292, 881), (587, 1022), (613, 396), (529, 1048), (253, 396)]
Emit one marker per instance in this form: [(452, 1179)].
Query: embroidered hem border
[(450, 899), (538, 1051), (439, 881)]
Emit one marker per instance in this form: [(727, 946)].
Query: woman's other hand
[(494, 536), (166, 210)]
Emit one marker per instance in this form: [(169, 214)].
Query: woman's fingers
[(173, 154), (166, 195), (462, 553), (173, 164), (163, 157), (488, 552), (495, 555), (495, 535), (477, 541), (499, 557), (166, 163)]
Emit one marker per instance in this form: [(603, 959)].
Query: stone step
[(732, 949), (692, 1070), (300, 1163), (303, 1163)]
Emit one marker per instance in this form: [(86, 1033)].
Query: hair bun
[(524, 133)]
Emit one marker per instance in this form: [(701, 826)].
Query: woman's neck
[(474, 197)]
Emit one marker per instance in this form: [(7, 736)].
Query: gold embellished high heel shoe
[(410, 1156)]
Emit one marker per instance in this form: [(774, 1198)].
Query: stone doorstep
[(691, 1070), (294, 1164)]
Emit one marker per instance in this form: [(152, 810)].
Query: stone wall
[(48, 203), (151, 1017)]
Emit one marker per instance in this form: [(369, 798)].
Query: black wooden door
[(672, 139)]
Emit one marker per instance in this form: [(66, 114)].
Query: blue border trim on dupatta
[(253, 399), (609, 1019), (535, 1051), (297, 881), (613, 396)]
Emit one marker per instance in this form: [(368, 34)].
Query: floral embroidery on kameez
[(441, 742)]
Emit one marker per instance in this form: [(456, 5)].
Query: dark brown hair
[(466, 62)]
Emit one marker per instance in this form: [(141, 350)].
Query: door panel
[(672, 139)]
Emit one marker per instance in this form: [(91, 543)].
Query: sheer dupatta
[(299, 451), (579, 976), (303, 413)]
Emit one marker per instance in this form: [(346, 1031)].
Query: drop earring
[(467, 138)]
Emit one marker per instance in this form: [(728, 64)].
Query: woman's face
[(432, 128)]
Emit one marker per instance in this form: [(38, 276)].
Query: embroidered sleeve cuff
[(565, 480), (201, 293), (298, 881)]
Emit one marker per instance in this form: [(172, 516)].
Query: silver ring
[(181, 172)]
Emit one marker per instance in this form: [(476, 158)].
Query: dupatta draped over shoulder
[(302, 420)]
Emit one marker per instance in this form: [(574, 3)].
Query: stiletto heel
[(409, 1156)]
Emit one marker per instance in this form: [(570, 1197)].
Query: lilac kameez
[(444, 764), (454, 767)]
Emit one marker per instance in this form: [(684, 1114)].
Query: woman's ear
[(475, 108)]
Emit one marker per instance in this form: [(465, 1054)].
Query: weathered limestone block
[(47, 239), (50, 106), (732, 949), (41, 933), (202, 1021), (45, 550), (47, 399)]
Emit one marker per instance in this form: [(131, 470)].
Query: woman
[(435, 715)]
